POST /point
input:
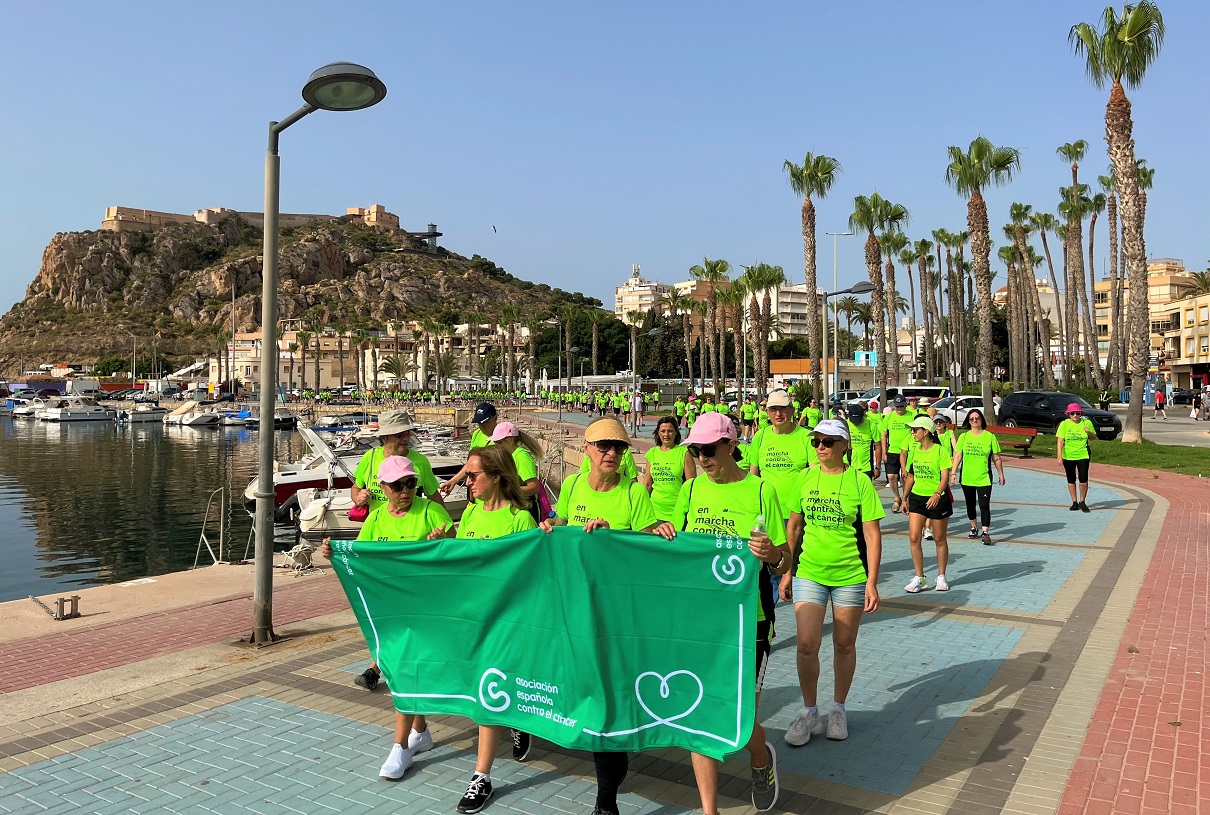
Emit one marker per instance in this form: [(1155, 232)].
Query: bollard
[(75, 605), (59, 608)]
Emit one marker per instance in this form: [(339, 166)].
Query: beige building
[(1185, 333), (1167, 282), (637, 294), (129, 219)]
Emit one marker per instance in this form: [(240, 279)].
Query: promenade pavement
[(1061, 673)]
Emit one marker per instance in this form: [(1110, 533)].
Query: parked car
[(930, 392), (956, 407), (1183, 396), (841, 397), (1046, 409)]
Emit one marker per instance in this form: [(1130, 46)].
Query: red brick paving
[(1146, 750), (40, 660)]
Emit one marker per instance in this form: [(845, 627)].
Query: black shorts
[(892, 464), (617, 411), (763, 649), (944, 508), (748, 422), (1076, 467)]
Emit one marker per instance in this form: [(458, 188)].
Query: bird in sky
[(493, 227)]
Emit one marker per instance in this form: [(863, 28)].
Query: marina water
[(87, 503)]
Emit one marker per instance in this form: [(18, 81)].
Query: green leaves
[(1123, 47)]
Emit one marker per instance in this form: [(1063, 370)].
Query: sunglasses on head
[(618, 447), (402, 484), (707, 450), (826, 443)]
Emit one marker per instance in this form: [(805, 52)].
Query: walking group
[(801, 492)]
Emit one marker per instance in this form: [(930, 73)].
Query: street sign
[(956, 368)]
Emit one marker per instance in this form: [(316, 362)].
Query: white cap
[(832, 427)]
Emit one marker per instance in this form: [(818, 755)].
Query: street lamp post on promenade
[(338, 86), (634, 377), (835, 386), (856, 288)]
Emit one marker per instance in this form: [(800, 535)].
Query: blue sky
[(592, 135)]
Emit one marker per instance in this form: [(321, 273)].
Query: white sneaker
[(838, 724), (397, 763), (419, 742), (805, 725), (942, 583), (928, 533), (917, 584)]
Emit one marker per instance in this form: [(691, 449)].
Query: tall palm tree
[(676, 304), (713, 273), (1044, 222), (1008, 256), (702, 309), (731, 302), (1116, 370), (566, 314), (928, 305), (397, 366), (1201, 283), (1121, 49), (814, 177), (891, 243), (292, 349), (909, 256), (633, 318), (597, 317), (865, 315), (1022, 217), (877, 214), (1096, 205), (761, 279), (442, 366), (432, 347), (417, 335), (847, 306), (969, 171), (943, 238), (304, 342), (532, 327)]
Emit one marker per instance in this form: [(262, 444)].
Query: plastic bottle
[(760, 527)]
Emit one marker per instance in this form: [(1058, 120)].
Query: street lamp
[(338, 86), (835, 334), (856, 288), (634, 376)]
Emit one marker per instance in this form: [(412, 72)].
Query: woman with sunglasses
[(404, 516), (927, 484), (945, 432), (499, 508), (525, 451), (974, 455), (836, 540), (1075, 435), (604, 497), (668, 466), (781, 451), (700, 508)]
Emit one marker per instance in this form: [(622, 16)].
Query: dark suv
[(1045, 409)]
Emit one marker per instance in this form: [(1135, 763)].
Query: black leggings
[(611, 772), (1076, 467), (984, 497)]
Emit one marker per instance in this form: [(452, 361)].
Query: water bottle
[(760, 527)]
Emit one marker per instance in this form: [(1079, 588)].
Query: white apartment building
[(637, 294)]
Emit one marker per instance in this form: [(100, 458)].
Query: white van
[(930, 392)]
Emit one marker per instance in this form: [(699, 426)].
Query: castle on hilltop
[(129, 219)]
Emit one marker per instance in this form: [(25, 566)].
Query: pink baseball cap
[(1074, 408), (710, 428), (504, 430), (394, 468)]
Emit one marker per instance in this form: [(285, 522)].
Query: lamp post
[(634, 377), (339, 86), (835, 386), (856, 288)]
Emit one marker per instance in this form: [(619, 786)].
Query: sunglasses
[(825, 443), (402, 484), (707, 450), (618, 447), (1075, 415), (471, 475)]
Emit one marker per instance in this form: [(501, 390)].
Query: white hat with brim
[(832, 427)]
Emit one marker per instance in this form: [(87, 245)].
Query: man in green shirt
[(678, 410), (484, 422), (781, 451), (865, 441), (896, 436)]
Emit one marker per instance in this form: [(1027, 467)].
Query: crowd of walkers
[(797, 484)]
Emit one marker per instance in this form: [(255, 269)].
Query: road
[(1178, 429)]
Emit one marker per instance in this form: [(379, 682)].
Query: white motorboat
[(312, 470), (230, 419), (75, 409), (324, 513), (29, 408), (142, 413), (190, 415), (12, 403)]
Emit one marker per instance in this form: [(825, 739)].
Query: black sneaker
[(1084, 507), (986, 538), (973, 534), (367, 679), (764, 783), (1075, 506), (521, 744), (478, 793), (600, 811)]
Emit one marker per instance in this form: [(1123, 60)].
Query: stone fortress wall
[(130, 219)]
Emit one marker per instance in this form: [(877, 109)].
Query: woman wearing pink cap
[(727, 501), (525, 452), (405, 516), (1075, 435)]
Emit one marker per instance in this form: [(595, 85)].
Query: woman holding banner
[(500, 508), (726, 500), (405, 516), (604, 498)]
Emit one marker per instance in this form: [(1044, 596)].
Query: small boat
[(324, 513), (75, 409), (230, 419), (283, 419), (340, 422), (29, 407), (12, 403), (312, 470), (142, 413), (189, 415)]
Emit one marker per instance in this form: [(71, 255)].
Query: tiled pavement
[(973, 701)]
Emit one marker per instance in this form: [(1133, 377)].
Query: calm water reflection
[(88, 503)]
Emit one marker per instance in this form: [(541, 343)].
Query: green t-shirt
[(422, 517), (366, 475), (690, 414), (1075, 438), (830, 505), (861, 443), (731, 510), (667, 469), (976, 450), (709, 407), (780, 458), (626, 506), (477, 522), (747, 411), (527, 468), (723, 408), (814, 415), (762, 419), (678, 407), (897, 431), (626, 466), (619, 400), (479, 438), (927, 466)]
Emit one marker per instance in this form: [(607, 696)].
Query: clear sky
[(591, 135)]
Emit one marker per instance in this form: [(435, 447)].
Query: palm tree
[(1096, 205), (512, 316), (731, 304), (928, 305), (968, 172), (532, 327), (1201, 284), (566, 314), (891, 243), (417, 336), (443, 366), (677, 304), (877, 214), (943, 238), (814, 177), (713, 273), (1022, 215), (769, 279), (1044, 222), (1116, 369), (909, 256), (304, 342), (701, 309), (865, 315), (397, 366), (1122, 49), (633, 318), (596, 316)]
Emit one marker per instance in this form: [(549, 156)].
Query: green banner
[(614, 641)]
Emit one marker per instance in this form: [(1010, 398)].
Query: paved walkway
[(1030, 687)]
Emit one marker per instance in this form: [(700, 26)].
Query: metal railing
[(202, 539)]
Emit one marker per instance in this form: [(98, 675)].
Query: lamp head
[(344, 86)]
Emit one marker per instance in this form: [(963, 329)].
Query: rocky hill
[(175, 282)]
